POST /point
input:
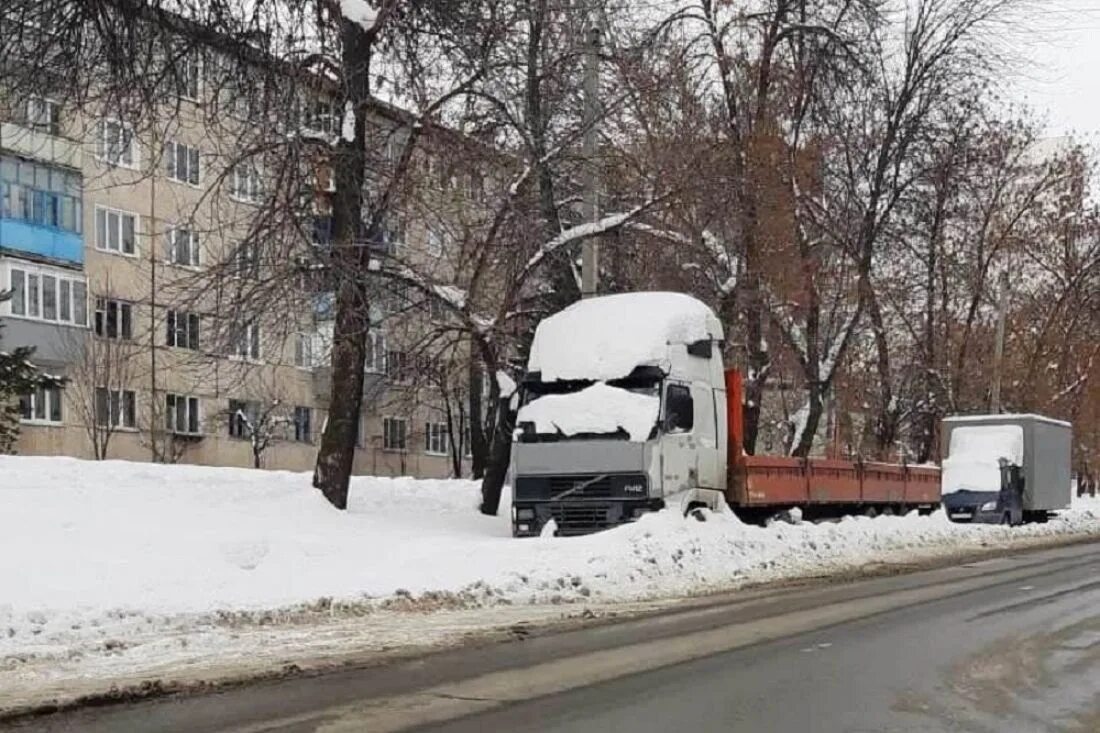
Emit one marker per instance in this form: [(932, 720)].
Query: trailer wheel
[(870, 512), (888, 511)]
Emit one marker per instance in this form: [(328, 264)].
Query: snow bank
[(598, 409), (110, 567), (606, 338), (973, 456)]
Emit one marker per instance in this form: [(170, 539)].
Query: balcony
[(40, 145), (48, 242)]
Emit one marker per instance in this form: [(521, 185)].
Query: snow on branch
[(582, 231), (359, 12)]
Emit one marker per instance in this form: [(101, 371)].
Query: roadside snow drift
[(99, 561)]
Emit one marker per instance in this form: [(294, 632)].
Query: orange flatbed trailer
[(762, 485)]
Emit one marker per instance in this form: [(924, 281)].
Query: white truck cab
[(623, 411)]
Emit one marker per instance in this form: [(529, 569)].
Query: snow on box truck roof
[(608, 337)]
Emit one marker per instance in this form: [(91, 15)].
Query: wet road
[(1009, 644)]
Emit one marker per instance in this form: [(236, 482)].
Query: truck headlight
[(525, 513), (989, 506)]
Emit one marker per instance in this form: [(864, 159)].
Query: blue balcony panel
[(44, 241)]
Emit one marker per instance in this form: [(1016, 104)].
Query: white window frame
[(106, 212), (66, 283), (436, 439), (246, 267), (120, 306), (191, 64), (246, 183), (303, 351), (174, 152), (116, 417), (50, 397), (192, 329), (192, 408), (401, 376), (387, 443), (105, 143), (194, 256), (376, 359), (300, 410), (246, 342), (38, 107)]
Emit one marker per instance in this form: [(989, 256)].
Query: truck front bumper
[(578, 517)]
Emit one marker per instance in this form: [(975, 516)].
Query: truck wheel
[(870, 512), (888, 511)]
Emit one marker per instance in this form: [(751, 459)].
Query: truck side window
[(679, 409)]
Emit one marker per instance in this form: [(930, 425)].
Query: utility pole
[(999, 346), (590, 260)]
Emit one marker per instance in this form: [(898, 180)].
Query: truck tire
[(870, 512)]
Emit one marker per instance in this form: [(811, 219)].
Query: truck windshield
[(587, 420)]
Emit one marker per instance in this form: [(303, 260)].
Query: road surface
[(1008, 644)]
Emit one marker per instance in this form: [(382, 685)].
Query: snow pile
[(111, 567), (606, 338), (598, 409), (973, 456)]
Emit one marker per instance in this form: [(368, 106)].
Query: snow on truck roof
[(608, 337)]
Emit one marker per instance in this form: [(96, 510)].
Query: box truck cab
[(623, 411)]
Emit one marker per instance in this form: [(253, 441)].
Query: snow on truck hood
[(974, 453), (608, 337), (598, 409)]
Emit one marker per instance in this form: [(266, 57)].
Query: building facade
[(116, 243)]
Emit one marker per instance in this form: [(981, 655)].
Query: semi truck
[(626, 408), (1005, 469)]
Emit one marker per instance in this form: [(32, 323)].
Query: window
[(40, 194), (246, 260), (397, 366), (183, 330), (435, 438), (181, 414), (18, 293), (679, 409), (319, 115), (114, 319), (303, 351), (376, 353), (394, 434), (246, 342), (437, 311), (245, 183), (183, 247), (43, 115), (41, 406), (116, 144), (321, 231), (435, 243), (186, 74), (243, 417), (302, 428), (114, 408), (181, 163), (115, 231), (49, 298), (46, 295)]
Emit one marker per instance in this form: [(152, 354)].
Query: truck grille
[(574, 519), (599, 488)]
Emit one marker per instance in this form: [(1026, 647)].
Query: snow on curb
[(98, 557)]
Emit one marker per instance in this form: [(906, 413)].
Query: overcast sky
[(1062, 38)]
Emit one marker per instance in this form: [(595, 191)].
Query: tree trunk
[(350, 261), (500, 456), (816, 407), (479, 447)]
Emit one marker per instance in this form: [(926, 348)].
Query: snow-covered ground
[(112, 572)]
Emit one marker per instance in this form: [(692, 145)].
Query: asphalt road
[(1008, 644)]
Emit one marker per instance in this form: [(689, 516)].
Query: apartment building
[(116, 241)]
